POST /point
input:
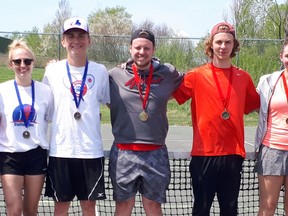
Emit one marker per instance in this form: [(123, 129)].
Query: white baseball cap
[(77, 23)]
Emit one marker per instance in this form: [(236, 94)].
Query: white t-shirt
[(11, 123), (71, 138)]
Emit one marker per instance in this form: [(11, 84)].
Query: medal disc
[(286, 120), (143, 116), (225, 115), (26, 134), (77, 115)]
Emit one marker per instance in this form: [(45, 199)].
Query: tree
[(275, 21), (50, 45), (260, 27), (158, 30), (259, 19), (244, 18), (286, 25), (109, 29), (110, 21)]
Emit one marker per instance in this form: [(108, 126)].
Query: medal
[(286, 120), (225, 101), (27, 119), (77, 100), (77, 115), (143, 116), (144, 99), (26, 134), (225, 115)]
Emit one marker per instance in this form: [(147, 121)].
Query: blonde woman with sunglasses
[(25, 110)]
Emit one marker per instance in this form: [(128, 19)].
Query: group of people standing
[(137, 93)]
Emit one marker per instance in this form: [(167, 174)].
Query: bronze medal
[(225, 115), (286, 120), (77, 115), (26, 134), (143, 116)]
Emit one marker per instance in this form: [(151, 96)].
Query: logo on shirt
[(29, 114), (76, 82), (100, 195), (132, 82)]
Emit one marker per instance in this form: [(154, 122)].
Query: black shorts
[(216, 175), (32, 162), (70, 177)]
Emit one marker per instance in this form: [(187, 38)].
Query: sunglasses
[(27, 61)]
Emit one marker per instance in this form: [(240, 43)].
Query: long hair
[(209, 51)]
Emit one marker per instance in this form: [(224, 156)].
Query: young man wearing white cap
[(76, 158), (220, 95)]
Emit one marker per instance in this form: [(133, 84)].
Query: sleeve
[(261, 81), (176, 76), (185, 90), (45, 76), (50, 110), (252, 101), (105, 88)]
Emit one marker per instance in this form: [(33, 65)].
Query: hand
[(51, 61)]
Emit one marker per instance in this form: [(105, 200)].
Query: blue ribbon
[(77, 102), (25, 120)]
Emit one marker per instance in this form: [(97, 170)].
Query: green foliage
[(177, 114), (275, 22), (178, 52), (245, 17), (260, 19), (113, 24), (110, 21), (259, 57), (7, 74), (260, 27)]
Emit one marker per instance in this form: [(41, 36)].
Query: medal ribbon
[(23, 117), (77, 102), (225, 101), (285, 85), (138, 81)]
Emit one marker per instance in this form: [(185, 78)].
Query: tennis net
[(179, 194)]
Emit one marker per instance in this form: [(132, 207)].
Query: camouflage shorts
[(145, 171)]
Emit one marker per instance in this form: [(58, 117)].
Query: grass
[(177, 115)]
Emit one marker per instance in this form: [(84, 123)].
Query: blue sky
[(192, 17)]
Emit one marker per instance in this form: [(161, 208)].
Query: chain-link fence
[(257, 56)]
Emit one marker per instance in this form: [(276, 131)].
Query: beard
[(142, 65)]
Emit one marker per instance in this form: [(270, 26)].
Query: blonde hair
[(19, 43)]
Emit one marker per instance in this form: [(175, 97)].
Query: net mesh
[(179, 194)]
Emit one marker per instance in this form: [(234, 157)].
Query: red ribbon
[(226, 100), (139, 82)]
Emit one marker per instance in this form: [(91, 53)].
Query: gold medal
[(225, 115), (143, 116), (26, 134), (77, 115)]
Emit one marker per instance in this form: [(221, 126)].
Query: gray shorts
[(145, 171), (272, 161)]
